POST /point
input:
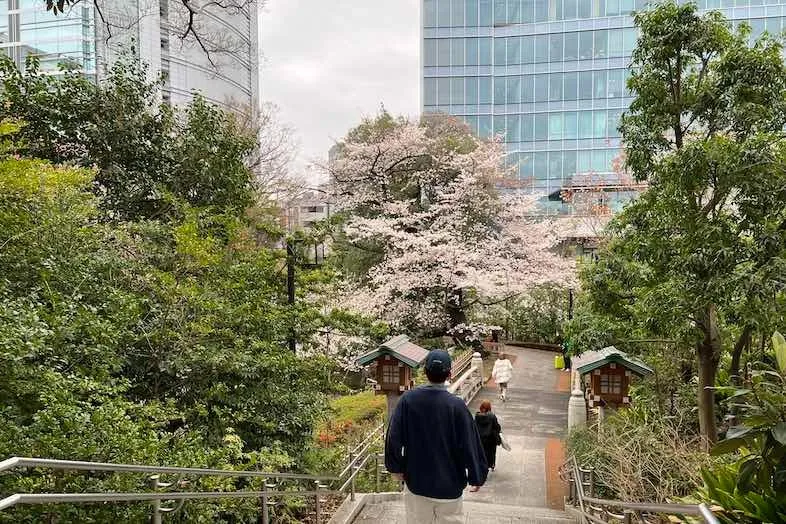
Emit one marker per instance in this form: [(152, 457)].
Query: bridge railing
[(164, 497), (589, 508), (461, 363), (470, 382)]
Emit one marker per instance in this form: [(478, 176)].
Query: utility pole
[(291, 290)]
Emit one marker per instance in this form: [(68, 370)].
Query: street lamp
[(291, 290), (291, 260)]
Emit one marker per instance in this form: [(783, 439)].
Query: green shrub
[(753, 488)]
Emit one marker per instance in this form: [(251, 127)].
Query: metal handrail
[(707, 514), (55, 498), (358, 457), (157, 497), (576, 478), (650, 507), (78, 465)]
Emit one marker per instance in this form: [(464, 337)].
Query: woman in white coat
[(502, 373)]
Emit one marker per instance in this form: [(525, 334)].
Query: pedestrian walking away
[(566, 354), (502, 373), (490, 431), (433, 446)]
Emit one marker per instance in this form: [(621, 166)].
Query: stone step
[(392, 512)]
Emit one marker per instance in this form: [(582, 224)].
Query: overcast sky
[(327, 63)]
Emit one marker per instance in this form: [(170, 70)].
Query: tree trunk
[(709, 351), (742, 343), (454, 306)]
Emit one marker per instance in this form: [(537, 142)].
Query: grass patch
[(359, 407), (350, 417)]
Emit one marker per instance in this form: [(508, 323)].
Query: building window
[(390, 374), (611, 384), (313, 209)]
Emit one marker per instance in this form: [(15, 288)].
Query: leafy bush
[(539, 316), (145, 153), (144, 342), (350, 420), (753, 488)]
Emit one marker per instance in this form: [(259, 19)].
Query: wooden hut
[(606, 376), (394, 362)]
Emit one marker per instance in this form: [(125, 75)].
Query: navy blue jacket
[(433, 441)]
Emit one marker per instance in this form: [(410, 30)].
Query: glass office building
[(550, 76), (27, 29), (151, 27)]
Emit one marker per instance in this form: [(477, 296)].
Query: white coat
[(503, 371)]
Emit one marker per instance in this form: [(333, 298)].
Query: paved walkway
[(533, 420)]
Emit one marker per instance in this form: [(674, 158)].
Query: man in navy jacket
[(433, 445)]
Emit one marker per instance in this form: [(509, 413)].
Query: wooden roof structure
[(589, 361), (399, 347)]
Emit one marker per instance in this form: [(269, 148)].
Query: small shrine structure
[(392, 365), (606, 376)]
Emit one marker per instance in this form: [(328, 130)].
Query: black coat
[(488, 427)]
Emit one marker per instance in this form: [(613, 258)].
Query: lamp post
[(291, 260), (291, 290)]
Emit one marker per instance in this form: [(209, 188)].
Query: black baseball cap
[(438, 361)]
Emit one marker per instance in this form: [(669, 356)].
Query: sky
[(328, 63)]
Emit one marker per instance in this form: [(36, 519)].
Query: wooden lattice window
[(390, 374), (611, 384)]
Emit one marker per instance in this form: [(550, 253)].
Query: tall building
[(92, 40), (550, 76)]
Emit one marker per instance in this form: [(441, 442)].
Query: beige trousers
[(425, 510)]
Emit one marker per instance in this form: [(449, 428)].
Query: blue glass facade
[(152, 28), (26, 28), (549, 75)]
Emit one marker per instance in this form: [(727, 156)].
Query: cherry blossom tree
[(422, 199)]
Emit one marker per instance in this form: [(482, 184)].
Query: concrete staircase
[(525, 487), (389, 509)]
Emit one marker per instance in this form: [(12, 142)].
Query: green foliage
[(753, 489), (699, 256), (361, 407), (348, 422), (538, 316), (721, 486), (146, 155), (144, 342)]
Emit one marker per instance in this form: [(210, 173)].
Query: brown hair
[(485, 406)]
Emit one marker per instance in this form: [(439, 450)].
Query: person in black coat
[(490, 430)]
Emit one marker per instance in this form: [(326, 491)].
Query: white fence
[(470, 382)]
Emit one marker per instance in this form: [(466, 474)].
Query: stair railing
[(589, 508), (160, 492), (359, 458)]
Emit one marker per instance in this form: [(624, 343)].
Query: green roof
[(591, 360), (398, 347)]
